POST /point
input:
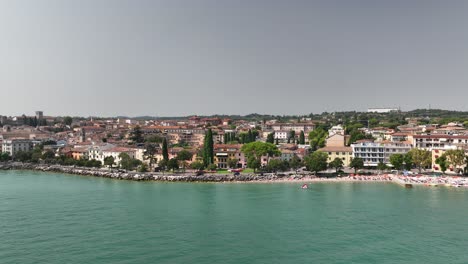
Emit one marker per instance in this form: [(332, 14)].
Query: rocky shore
[(137, 176)]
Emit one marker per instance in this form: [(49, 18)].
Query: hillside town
[(315, 143)]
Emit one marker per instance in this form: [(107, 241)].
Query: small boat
[(305, 186)]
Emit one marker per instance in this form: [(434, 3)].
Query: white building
[(115, 153), (439, 141), (96, 151), (336, 130), (382, 110), (296, 127), (13, 146), (281, 135), (375, 152)]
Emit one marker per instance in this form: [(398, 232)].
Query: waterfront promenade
[(453, 181)]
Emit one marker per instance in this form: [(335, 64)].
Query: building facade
[(13, 146), (441, 141), (375, 152)]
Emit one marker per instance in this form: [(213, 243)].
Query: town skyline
[(368, 111), (177, 58)]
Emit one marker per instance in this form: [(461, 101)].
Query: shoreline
[(230, 178), (187, 177)]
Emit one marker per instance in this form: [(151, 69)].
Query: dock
[(401, 182)]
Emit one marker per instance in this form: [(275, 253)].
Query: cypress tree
[(271, 138), (210, 146), (208, 152), (302, 138), (165, 151)]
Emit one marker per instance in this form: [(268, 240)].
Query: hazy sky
[(167, 58)]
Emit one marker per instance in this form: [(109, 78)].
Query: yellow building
[(343, 153)]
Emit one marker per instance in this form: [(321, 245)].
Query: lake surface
[(56, 218)]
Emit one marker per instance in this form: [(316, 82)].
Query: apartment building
[(439, 141), (375, 152), (13, 146)]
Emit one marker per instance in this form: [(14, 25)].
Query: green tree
[(276, 165), (163, 164), (271, 138), (197, 165), (136, 135), (250, 136), (165, 151), (382, 166), (143, 168), (183, 156), (316, 161), (67, 120), (212, 167), (302, 138), (397, 161), (295, 163), (455, 158), (258, 149), (92, 163), (317, 138), (154, 139), (208, 149), (173, 164), (23, 156), (356, 164), (356, 135), (337, 164), (129, 163), (109, 161), (292, 136), (48, 156), (149, 153), (5, 156), (253, 163), (232, 163), (407, 162), (420, 158), (443, 163)]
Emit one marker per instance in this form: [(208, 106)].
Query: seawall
[(136, 176)]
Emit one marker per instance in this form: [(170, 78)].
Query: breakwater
[(137, 176)]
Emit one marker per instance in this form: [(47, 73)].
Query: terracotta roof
[(441, 136), (336, 149), (120, 149)]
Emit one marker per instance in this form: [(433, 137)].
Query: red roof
[(441, 136)]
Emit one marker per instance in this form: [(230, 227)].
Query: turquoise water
[(55, 218)]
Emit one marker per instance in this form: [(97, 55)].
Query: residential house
[(224, 152)]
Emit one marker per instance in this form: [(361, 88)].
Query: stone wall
[(137, 176)]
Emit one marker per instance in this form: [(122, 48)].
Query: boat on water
[(305, 186)]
